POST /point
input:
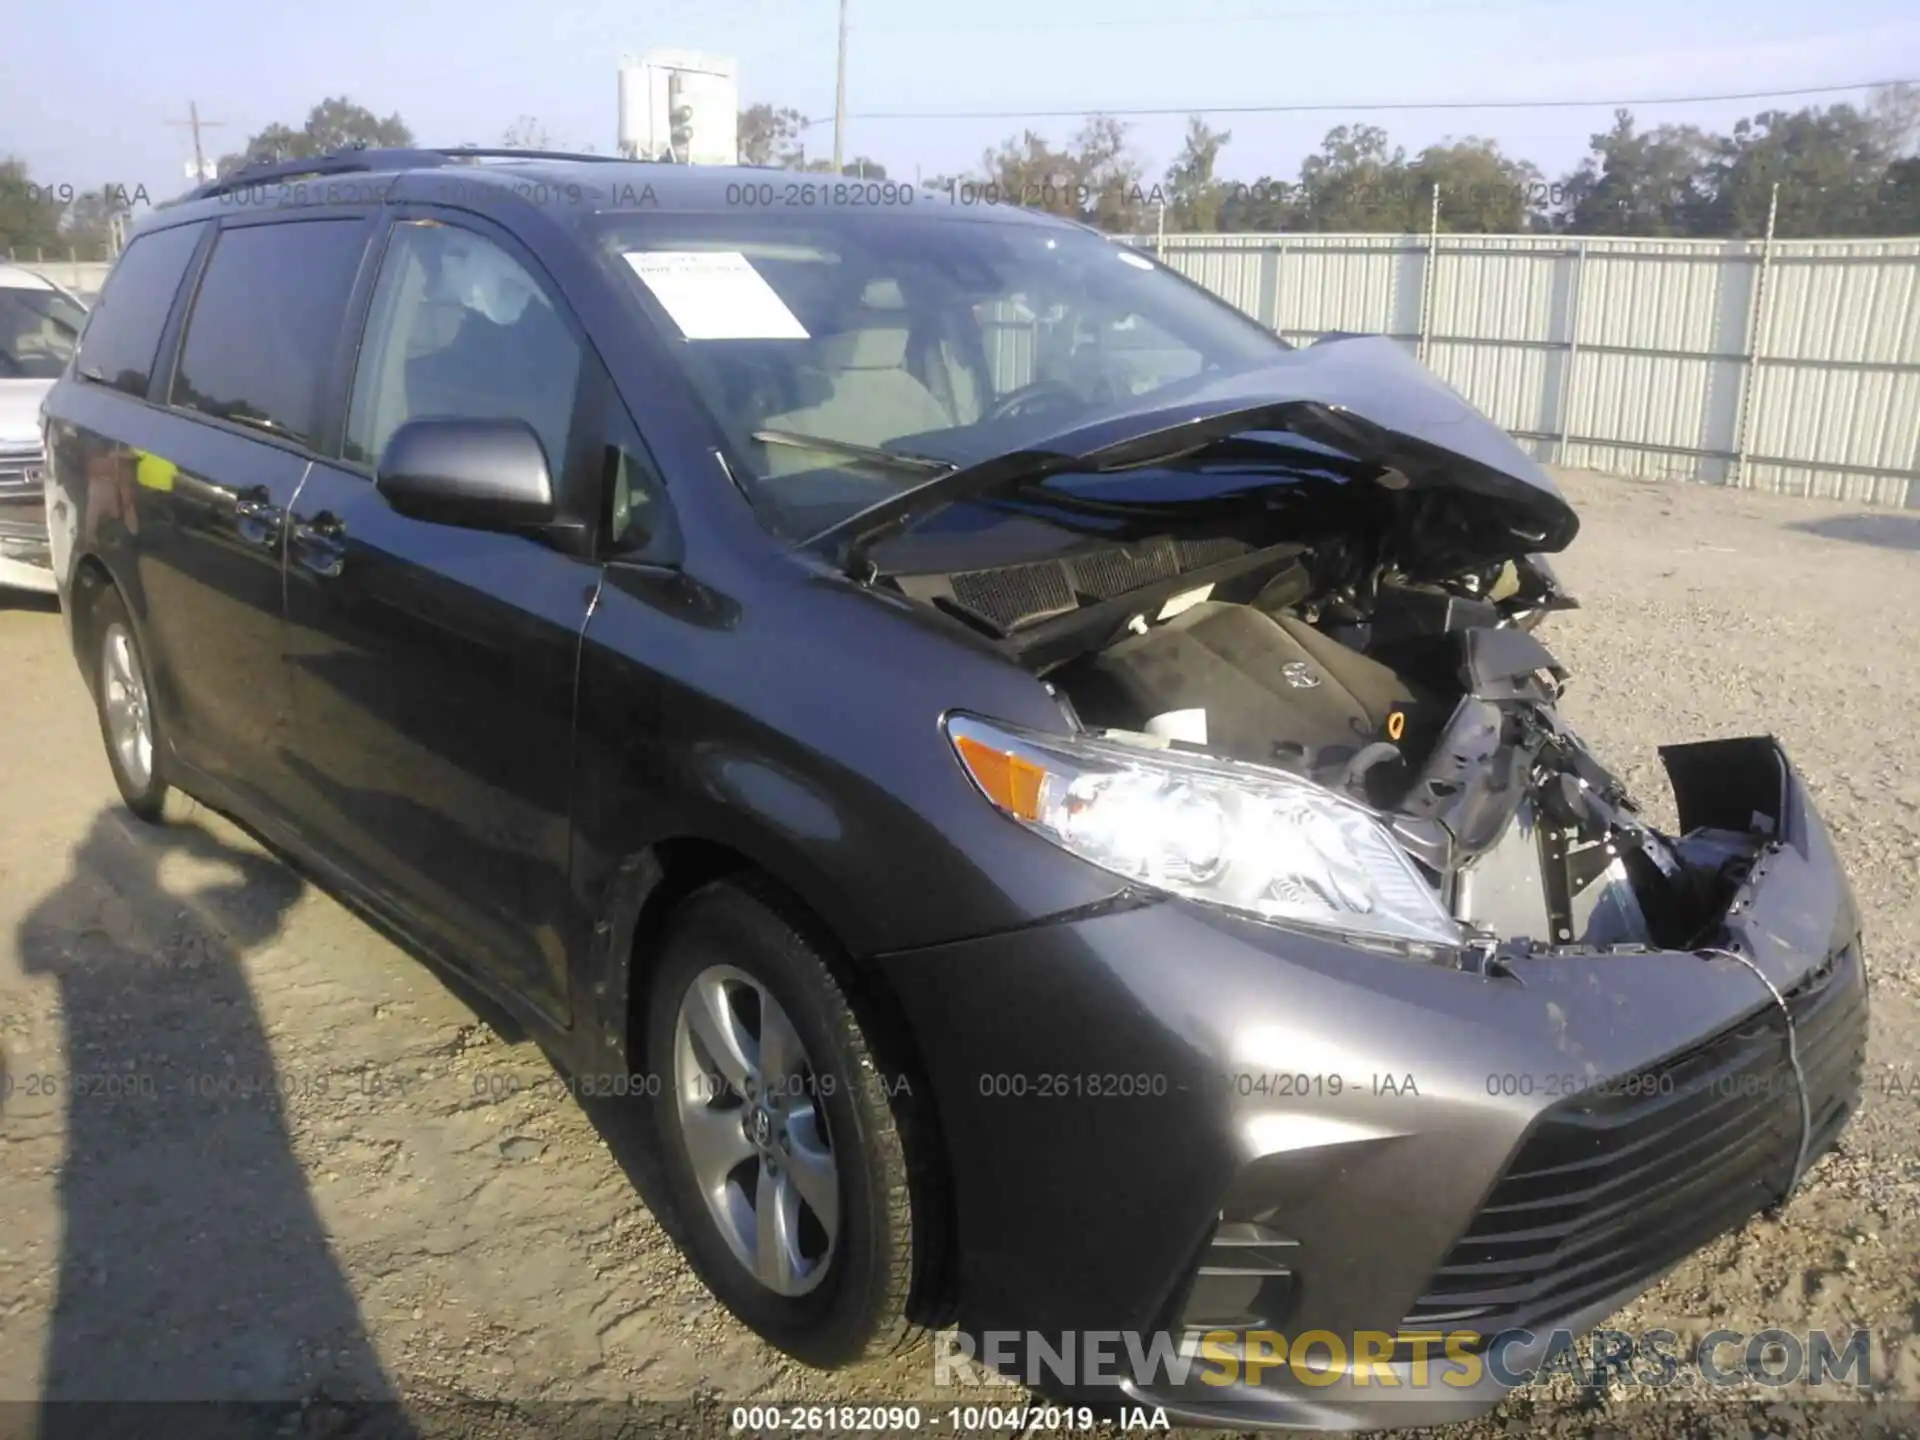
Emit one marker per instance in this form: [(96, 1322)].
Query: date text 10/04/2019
[(954, 1419)]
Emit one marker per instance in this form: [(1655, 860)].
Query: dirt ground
[(344, 1180)]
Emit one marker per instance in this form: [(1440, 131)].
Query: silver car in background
[(40, 326)]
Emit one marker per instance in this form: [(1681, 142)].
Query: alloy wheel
[(123, 692), (748, 1101)]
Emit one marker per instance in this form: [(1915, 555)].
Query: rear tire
[(122, 687), (814, 1132)]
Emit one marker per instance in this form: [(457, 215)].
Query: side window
[(123, 332), (266, 322), (459, 328), (639, 522)]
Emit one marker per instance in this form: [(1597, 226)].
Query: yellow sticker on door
[(154, 472)]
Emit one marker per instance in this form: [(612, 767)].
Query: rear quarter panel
[(96, 441)]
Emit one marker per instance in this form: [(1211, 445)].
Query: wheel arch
[(662, 876), (91, 579)]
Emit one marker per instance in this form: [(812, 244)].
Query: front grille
[(1245, 1280), (1609, 1189), (20, 473)]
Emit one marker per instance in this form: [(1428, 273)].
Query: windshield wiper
[(860, 454)]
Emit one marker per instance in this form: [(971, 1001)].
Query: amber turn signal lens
[(1010, 782)]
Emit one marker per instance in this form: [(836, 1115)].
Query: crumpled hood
[(20, 412), (1361, 395), (1434, 434), (1367, 397)]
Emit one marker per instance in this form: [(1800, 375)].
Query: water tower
[(680, 106)]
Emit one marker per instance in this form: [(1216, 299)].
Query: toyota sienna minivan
[(1049, 801)]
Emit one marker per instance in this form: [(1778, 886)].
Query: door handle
[(256, 519), (320, 544)]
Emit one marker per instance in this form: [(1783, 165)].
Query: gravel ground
[(349, 1180)]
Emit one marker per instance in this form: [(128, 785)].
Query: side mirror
[(476, 474)]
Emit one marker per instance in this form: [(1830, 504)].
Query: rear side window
[(123, 333), (264, 324)]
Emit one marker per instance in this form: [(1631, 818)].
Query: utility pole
[(840, 91), (196, 124), (1755, 334), (1426, 281)]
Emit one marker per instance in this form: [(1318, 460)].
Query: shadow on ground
[(194, 1265), (1888, 531), (29, 600)]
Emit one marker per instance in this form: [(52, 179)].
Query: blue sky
[(87, 86)]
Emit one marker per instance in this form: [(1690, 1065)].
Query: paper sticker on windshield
[(715, 295)]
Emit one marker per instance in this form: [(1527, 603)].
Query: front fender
[(797, 727)]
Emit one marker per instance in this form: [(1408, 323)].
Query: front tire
[(123, 700), (779, 1139)]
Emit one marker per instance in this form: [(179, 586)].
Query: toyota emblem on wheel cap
[(1299, 675)]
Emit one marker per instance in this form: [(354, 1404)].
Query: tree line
[(1841, 170), (59, 218)]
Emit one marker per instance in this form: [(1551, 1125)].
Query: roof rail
[(352, 162), (342, 162), (481, 152)]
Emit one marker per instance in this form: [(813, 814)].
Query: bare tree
[(527, 133)]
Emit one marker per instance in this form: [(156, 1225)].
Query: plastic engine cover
[(1275, 690)]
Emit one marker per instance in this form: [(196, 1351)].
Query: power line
[(1243, 17), (1143, 111)]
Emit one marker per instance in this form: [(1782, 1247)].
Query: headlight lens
[(1258, 841)]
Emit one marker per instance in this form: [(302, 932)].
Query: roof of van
[(568, 186)]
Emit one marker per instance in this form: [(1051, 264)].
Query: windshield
[(39, 330), (909, 344)]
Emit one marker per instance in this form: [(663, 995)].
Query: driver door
[(434, 666)]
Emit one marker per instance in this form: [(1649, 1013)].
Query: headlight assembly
[(1242, 837)]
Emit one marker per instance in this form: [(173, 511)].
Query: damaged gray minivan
[(1053, 801)]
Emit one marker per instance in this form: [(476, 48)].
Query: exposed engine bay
[(1429, 701)]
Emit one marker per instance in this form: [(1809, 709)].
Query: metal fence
[(1791, 366)]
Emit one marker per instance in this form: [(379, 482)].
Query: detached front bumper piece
[(1213, 1130)]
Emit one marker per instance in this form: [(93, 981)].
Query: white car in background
[(40, 328)]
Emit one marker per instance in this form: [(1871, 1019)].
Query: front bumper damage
[(1191, 1123)]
